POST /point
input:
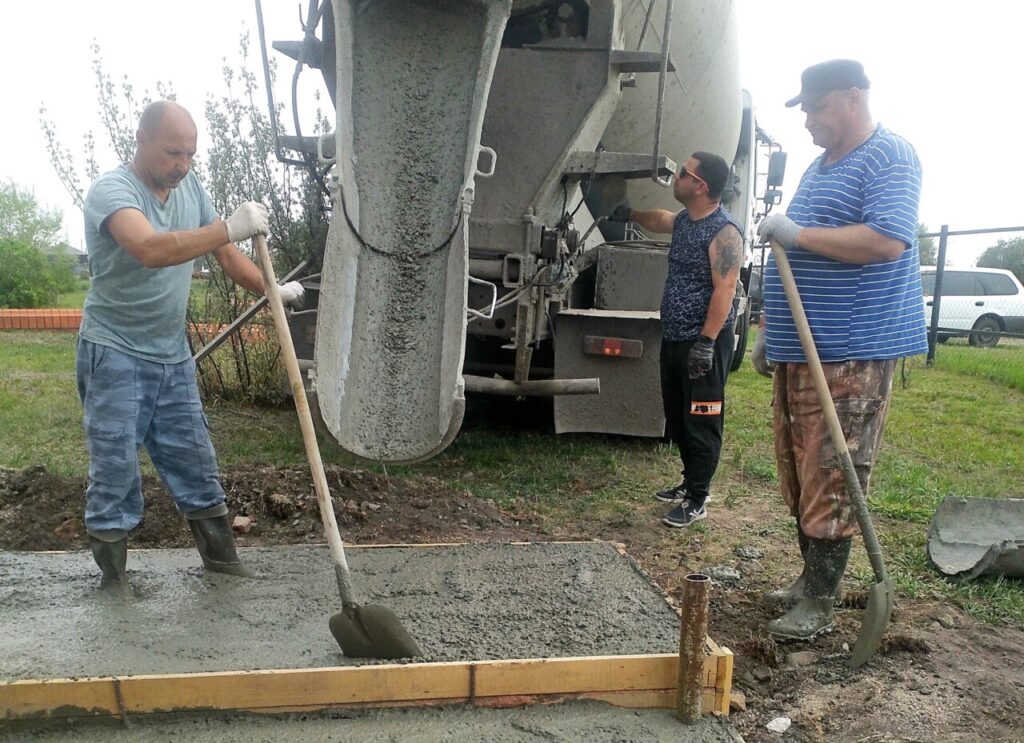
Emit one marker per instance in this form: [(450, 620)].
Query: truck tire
[(742, 331)]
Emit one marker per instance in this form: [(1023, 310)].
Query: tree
[(926, 245), (1008, 254), (36, 267), (23, 219), (30, 277)]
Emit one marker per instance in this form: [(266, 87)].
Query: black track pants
[(695, 410)]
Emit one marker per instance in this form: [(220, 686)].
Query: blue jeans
[(130, 403)]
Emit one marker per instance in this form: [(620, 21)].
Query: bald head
[(159, 112), (166, 141)]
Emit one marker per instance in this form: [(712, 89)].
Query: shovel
[(880, 595), (362, 631)]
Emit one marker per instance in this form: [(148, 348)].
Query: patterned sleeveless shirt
[(688, 288)]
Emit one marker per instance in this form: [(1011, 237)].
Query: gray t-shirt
[(137, 310)]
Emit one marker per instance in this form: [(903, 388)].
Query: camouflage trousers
[(810, 474)]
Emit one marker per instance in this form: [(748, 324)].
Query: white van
[(976, 302)]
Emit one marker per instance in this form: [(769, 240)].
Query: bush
[(31, 277)]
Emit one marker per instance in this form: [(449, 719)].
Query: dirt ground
[(940, 675)]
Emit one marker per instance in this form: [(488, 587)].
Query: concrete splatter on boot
[(110, 550), (784, 598), (813, 614), (216, 542)]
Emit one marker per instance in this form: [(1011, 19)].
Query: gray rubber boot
[(110, 550), (784, 598), (813, 614), (216, 542)]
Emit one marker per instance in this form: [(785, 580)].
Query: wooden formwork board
[(622, 680)]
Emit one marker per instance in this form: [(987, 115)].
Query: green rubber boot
[(784, 598), (216, 542), (813, 614), (111, 554)]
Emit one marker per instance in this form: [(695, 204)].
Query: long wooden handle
[(323, 495), (828, 409)]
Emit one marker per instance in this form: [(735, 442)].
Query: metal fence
[(972, 310)]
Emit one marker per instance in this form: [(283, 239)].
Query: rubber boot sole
[(790, 637)]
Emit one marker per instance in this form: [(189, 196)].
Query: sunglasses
[(683, 172)]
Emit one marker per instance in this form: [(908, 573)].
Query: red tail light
[(597, 345)]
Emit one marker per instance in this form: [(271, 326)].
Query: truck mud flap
[(622, 349), (412, 81)]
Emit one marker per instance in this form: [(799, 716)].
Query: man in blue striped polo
[(850, 233)]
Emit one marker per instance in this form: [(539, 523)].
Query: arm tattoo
[(730, 248)]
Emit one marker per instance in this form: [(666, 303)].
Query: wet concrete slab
[(463, 602), (571, 721)]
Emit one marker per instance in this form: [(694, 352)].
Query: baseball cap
[(824, 77)]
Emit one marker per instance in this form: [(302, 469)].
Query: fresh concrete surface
[(572, 721), (466, 602)]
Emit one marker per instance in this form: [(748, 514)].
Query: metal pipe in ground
[(693, 631)]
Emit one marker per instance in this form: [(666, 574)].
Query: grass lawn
[(955, 428), (74, 300)]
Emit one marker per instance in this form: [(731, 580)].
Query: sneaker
[(675, 494), (684, 514)]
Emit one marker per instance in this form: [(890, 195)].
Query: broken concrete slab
[(970, 537)]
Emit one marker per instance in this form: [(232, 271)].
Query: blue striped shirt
[(865, 312)]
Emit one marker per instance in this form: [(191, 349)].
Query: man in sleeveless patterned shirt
[(697, 319)]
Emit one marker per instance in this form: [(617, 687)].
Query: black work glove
[(621, 213), (701, 357)]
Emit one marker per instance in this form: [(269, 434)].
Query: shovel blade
[(876, 619), (372, 632)]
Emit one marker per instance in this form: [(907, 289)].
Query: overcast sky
[(946, 75)]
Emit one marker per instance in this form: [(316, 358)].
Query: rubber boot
[(813, 614), (784, 598), (216, 542), (111, 554)]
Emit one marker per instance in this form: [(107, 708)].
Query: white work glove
[(781, 229), (292, 293), (248, 219), (759, 357)]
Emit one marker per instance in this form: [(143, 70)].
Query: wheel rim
[(985, 335)]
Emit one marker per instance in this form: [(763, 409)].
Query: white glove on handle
[(781, 229), (248, 219), (759, 358), (292, 293)]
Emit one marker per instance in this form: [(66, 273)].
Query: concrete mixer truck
[(477, 146)]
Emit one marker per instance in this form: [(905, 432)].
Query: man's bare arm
[(654, 220), (133, 232), (854, 243), (726, 253)]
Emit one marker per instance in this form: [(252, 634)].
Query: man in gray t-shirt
[(145, 223)]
